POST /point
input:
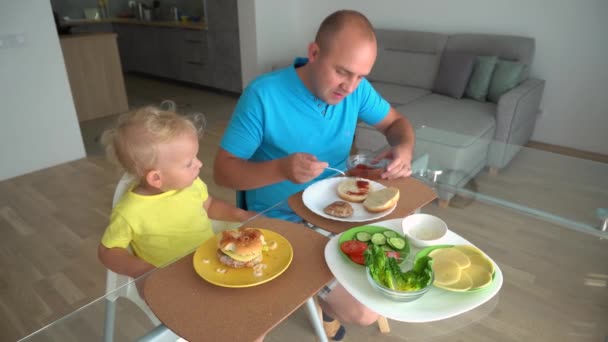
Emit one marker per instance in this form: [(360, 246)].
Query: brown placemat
[(413, 195), (197, 310)]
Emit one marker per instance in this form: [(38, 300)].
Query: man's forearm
[(400, 132)]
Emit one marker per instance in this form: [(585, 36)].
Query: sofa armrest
[(519, 106)]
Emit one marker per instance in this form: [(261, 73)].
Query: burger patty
[(339, 209), (228, 261)]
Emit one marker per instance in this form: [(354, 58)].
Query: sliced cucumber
[(378, 239), (390, 233), (396, 242), (363, 236)]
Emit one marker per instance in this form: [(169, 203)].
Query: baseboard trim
[(568, 151)]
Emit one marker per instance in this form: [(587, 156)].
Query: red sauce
[(363, 187), (365, 171)]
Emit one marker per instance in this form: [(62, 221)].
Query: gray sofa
[(460, 136)]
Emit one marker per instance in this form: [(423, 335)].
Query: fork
[(336, 170)]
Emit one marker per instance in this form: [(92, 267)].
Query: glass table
[(540, 219)]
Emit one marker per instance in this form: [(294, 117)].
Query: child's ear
[(154, 179)]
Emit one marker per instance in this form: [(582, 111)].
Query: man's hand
[(301, 167), (401, 162)]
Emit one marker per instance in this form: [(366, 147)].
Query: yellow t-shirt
[(160, 228)]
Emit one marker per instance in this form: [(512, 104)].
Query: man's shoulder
[(272, 79)]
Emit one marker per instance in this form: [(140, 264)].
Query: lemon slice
[(468, 250), (482, 262), (463, 284), (451, 254), (447, 272), (479, 276)]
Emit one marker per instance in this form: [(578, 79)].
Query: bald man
[(291, 124)]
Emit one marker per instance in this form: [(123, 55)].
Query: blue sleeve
[(245, 130), (373, 108)]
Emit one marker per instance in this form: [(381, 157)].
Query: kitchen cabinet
[(165, 52), (95, 76)]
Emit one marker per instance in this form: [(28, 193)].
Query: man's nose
[(349, 85), (200, 163)]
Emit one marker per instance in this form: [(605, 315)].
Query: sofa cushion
[(462, 121), (505, 77), (398, 95), (407, 57), (481, 77), (453, 75), (512, 48)]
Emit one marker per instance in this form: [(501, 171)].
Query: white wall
[(571, 48), (38, 126)]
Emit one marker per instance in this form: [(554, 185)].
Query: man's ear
[(313, 51), (154, 178)]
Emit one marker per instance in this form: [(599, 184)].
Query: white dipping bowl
[(424, 230)]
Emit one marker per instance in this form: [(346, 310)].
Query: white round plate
[(320, 194)]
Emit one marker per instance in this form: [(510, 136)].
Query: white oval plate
[(320, 194), (435, 305)]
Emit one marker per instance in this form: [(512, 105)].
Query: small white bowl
[(424, 230)]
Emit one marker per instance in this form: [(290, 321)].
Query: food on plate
[(339, 209), (447, 272), (452, 254), (272, 245), (354, 250), (381, 200), (393, 244), (241, 247), (354, 189), (461, 268), (258, 270), (387, 272)]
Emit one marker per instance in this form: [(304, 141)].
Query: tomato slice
[(353, 247), (357, 258), (393, 254)]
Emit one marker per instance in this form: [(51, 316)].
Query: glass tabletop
[(556, 187), (539, 218)]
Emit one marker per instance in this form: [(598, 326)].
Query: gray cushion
[(407, 57), (513, 48), (398, 95), (481, 77), (453, 75), (505, 77)]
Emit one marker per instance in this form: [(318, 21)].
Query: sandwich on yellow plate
[(241, 248)]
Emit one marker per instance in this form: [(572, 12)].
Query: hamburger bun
[(354, 189), (381, 200), (241, 248)]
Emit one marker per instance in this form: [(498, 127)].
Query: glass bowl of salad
[(389, 278)]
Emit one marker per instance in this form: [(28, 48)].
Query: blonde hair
[(133, 143)]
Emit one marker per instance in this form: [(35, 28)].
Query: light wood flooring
[(51, 221)]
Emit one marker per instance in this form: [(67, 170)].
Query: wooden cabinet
[(94, 72)]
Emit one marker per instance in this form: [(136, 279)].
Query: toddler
[(166, 211)]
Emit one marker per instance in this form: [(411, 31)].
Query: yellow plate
[(277, 261)]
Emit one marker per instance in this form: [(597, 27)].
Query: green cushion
[(481, 77), (505, 77)]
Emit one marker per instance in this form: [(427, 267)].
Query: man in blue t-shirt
[(290, 124)]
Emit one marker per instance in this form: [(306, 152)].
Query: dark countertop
[(158, 23)]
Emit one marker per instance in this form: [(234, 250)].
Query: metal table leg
[(313, 315)]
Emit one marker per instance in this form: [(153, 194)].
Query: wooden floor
[(51, 221)]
